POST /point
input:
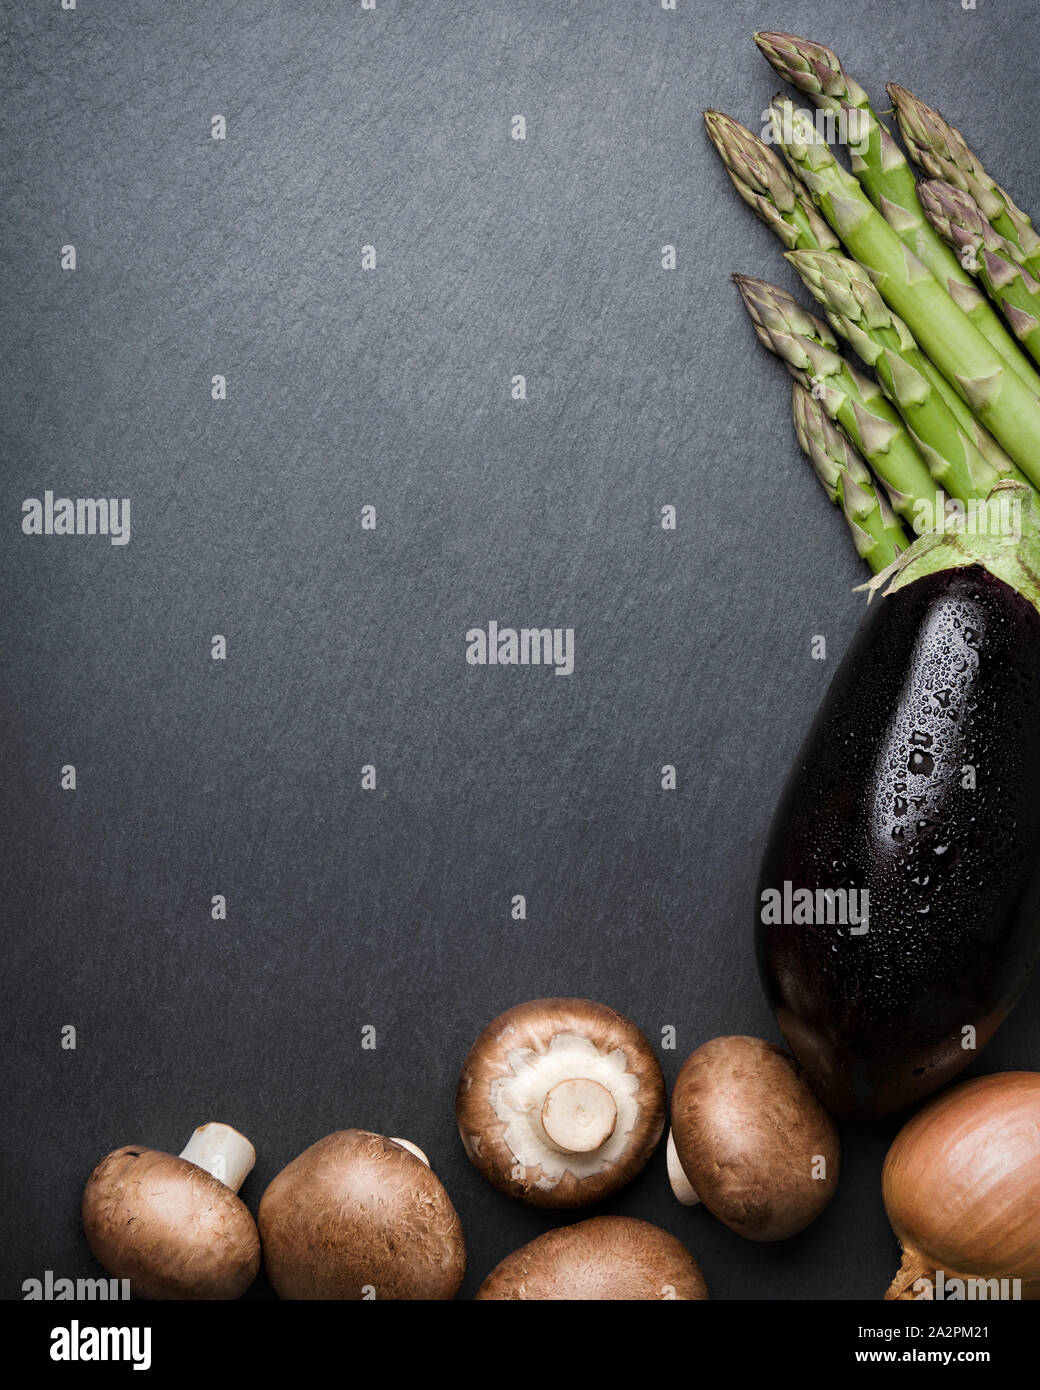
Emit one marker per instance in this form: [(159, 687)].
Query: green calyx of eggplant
[(1015, 558)]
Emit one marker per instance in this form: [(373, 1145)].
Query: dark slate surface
[(391, 388)]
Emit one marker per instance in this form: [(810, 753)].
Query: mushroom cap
[(749, 1133), (168, 1226), (604, 1258), (537, 1048), (357, 1211)]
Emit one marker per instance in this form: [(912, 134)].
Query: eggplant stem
[(1015, 561)]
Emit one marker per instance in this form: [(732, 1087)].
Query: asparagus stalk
[(876, 531), (882, 170), (957, 217), (1003, 401), (916, 388), (877, 161), (809, 350), (765, 183), (941, 152)]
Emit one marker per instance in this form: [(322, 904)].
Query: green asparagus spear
[(941, 152), (1005, 403), (765, 183), (915, 387), (809, 350), (957, 218), (883, 171), (876, 532), (877, 161)]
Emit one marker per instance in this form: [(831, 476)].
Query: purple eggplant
[(899, 899)]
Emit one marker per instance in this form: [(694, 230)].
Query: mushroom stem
[(578, 1115), (223, 1152), (912, 1270), (680, 1183), (412, 1149)]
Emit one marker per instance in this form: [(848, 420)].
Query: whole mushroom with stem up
[(750, 1140), (560, 1102), (173, 1225), (358, 1216)]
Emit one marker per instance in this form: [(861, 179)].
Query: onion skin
[(944, 675), (961, 1185)]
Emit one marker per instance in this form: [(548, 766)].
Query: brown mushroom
[(357, 1216), (174, 1226), (607, 1257), (752, 1141), (560, 1102)]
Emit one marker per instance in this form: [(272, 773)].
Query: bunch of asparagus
[(935, 286)]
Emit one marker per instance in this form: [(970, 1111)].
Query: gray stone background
[(391, 388)]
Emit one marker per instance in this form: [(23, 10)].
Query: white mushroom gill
[(519, 1100)]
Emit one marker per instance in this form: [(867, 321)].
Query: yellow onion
[(961, 1184)]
